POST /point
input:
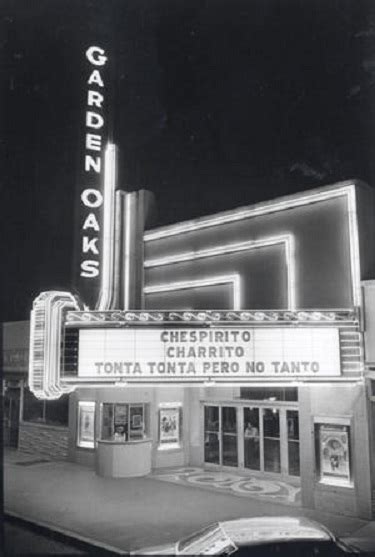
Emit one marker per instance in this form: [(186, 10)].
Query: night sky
[(215, 103)]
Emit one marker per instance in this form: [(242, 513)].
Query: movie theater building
[(245, 350)]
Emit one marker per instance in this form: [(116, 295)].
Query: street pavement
[(19, 540), (25, 538), (126, 514)]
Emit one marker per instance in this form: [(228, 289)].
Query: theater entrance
[(258, 438)]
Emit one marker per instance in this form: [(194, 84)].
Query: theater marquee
[(227, 352)]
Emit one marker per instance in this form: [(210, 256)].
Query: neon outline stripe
[(126, 265), (219, 250), (48, 339), (107, 267), (241, 214), (354, 245), (286, 239), (348, 190), (234, 280)]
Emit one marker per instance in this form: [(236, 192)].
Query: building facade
[(290, 272), (247, 350)]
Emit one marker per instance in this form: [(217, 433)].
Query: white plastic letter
[(92, 203), (95, 77), (89, 268), (88, 245), (94, 120), (91, 222), (91, 163), (94, 98), (93, 141), (95, 55)]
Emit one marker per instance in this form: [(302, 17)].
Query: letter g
[(95, 55)]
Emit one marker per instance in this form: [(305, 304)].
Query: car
[(281, 536)]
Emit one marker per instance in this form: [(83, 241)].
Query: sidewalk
[(127, 514)]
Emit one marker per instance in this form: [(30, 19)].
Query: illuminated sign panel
[(208, 353), (91, 201), (46, 332)]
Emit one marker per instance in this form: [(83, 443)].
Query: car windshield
[(210, 541), (196, 536)]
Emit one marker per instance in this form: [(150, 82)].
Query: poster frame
[(334, 453), (169, 416), (86, 411)]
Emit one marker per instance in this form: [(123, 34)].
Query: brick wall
[(43, 440)]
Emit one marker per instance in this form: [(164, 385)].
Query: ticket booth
[(124, 449)]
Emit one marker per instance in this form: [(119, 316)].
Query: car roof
[(274, 528)]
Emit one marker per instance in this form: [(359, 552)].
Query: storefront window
[(50, 412), (123, 422), (11, 412), (33, 408), (333, 453), (271, 434), (57, 411)]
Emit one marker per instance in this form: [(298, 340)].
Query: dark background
[(216, 104)]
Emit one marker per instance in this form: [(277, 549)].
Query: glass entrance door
[(259, 438), (271, 440), (220, 434), (251, 438), (229, 456), (293, 442), (211, 434)]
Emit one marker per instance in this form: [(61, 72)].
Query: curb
[(93, 547)]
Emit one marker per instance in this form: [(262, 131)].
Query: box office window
[(124, 421), (49, 412)]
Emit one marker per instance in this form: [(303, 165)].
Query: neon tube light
[(286, 239), (346, 189), (45, 343), (107, 279), (354, 245), (234, 280), (219, 250), (127, 262), (241, 214)]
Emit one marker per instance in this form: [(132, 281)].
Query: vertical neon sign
[(90, 244)]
